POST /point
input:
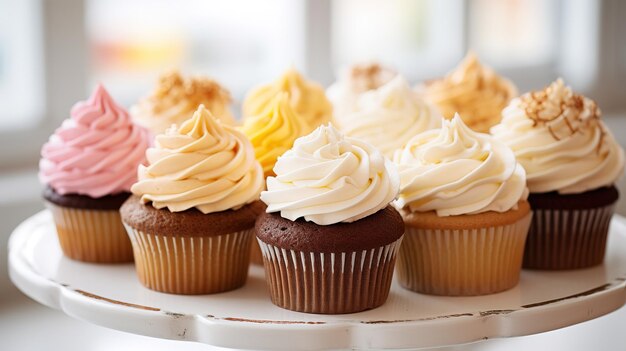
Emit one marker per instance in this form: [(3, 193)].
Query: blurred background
[(52, 53)]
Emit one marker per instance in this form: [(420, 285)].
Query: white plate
[(111, 296)]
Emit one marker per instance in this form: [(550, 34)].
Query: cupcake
[(572, 162), (176, 98), (88, 166), (306, 98), (357, 80), (389, 116), (329, 237), (463, 200), (475, 91), (191, 216)]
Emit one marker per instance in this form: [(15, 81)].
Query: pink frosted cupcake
[(88, 166)]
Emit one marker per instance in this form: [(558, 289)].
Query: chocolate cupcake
[(329, 238), (463, 200), (88, 166), (572, 162), (192, 217)]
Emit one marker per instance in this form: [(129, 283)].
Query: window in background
[(21, 70), (511, 33), (239, 42), (420, 38)]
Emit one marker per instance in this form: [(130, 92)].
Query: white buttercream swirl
[(327, 178), (390, 116), (456, 171), (358, 79), (558, 137)]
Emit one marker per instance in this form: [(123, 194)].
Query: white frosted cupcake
[(463, 200)]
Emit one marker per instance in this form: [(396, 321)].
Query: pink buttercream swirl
[(95, 152)]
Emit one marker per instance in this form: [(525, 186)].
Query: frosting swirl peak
[(307, 99), (327, 178), (357, 80), (559, 138), (274, 131), (95, 152), (456, 171), (390, 116), (475, 91), (176, 98), (202, 164)]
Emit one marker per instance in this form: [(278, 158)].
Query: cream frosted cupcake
[(307, 99), (88, 167), (176, 97), (358, 79), (389, 116), (463, 200), (329, 237), (475, 91), (572, 162), (192, 215)]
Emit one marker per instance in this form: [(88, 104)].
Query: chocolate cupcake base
[(329, 283), (569, 231), (330, 269)]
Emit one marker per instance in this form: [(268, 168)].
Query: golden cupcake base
[(447, 259), (191, 265), (95, 236)]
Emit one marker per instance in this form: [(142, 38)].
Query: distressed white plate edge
[(233, 332)]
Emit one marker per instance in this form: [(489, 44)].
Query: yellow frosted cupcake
[(306, 98), (177, 97), (475, 91), (273, 131)]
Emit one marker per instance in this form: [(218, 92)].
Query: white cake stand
[(111, 296)]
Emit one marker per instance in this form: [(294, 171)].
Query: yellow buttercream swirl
[(273, 131), (476, 92), (201, 164), (307, 99), (176, 98)]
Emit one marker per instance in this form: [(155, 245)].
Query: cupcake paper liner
[(87, 235), (462, 262), (329, 283), (256, 257), (567, 238), (191, 265)]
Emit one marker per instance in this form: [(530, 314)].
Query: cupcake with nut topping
[(176, 97), (473, 90), (463, 200), (572, 162), (329, 237), (192, 213)]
